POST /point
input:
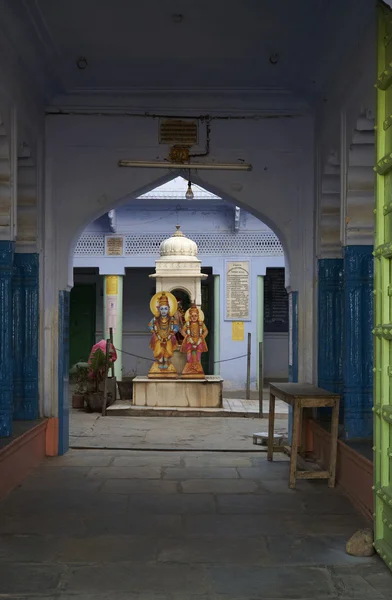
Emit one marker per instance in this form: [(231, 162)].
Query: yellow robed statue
[(163, 327), (194, 333)]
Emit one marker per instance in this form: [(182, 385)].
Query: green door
[(383, 293), (82, 322)]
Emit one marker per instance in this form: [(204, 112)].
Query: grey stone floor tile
[(266, 472), (28, 548), (280, 485), (130, 577), (171, 504), (221, 486), (52, 524), (371, 580), (65, 484), (55, 500), (62, 473), (332, 502), (184, 595), (144, 459), (233, 525), (81, 459), (17, 578), (133, 524), (216, 459), (139, 486), (128, 472), (106, 549), (239, 551), (213, 472), (311, 550), (258, 503), (325, 525), (275, 582)]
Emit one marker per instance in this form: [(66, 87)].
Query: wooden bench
[(302, 396)]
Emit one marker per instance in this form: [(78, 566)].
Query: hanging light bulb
[(189, 193)]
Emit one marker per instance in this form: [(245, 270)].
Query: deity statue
[(179, 318), (194, 333), (164, 328)]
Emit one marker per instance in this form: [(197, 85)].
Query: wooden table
[(300, 396)]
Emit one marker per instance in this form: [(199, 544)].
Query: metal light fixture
[(164, 164), (189, 193)]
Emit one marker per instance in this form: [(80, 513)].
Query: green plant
[(82, 370), (98, 368)]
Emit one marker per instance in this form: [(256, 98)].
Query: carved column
[(25, 335), (293, 337), (330, 328), (63, 371), (358, 342), (6, 263), (113, 316), (293, 348), (330, 324)]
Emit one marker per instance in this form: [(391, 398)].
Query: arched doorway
[(214, 246)]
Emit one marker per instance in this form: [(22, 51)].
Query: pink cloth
[(102, 346)]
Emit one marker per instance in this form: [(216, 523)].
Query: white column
[(260, 325), (216, 324), (113, 316)]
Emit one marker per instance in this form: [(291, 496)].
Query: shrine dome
[(178, 247)]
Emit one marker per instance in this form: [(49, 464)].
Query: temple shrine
[(178, 333)]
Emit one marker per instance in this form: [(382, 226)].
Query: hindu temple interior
[(195, 299)]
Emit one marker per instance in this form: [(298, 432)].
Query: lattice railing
[(218, 244)]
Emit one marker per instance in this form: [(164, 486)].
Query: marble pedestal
[(171, 393)]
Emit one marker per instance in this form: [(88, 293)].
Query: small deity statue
[(179, 318), (164, 328), (194, 333)]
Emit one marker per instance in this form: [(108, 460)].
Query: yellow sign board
[(237, 331), (112, 285)]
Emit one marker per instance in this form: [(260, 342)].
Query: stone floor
[(237, 407), (167, 433), (148, 525)]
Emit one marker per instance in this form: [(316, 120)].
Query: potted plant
[(80, 378), (97, 372)]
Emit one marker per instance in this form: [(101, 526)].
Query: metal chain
[(152, 360)]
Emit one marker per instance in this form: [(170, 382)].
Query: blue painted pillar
[(6, 265), (358, 342), (25, 336), (63, 371), (330, 328), (293, 337), (293, 348)]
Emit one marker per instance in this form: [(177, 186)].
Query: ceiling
[(214, 44)]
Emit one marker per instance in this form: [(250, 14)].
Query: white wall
[(137, 289), (84, 181)]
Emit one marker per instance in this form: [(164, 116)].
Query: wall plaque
[(114, 245), (237, 331), (237, 291)]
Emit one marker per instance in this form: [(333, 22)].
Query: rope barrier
[(152, 360)]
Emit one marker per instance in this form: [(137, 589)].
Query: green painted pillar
[(113, 316), (216, 324), (260, 324)]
